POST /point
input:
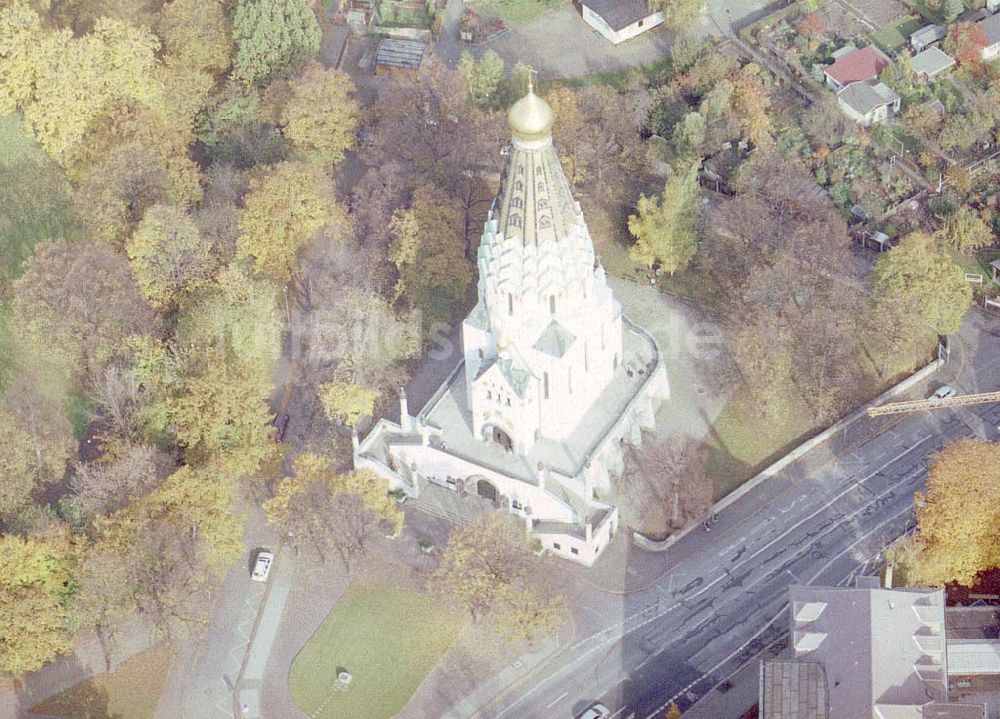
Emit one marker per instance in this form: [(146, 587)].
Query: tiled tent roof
[(858, 66)]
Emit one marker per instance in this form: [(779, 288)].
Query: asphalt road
[(722, 595)]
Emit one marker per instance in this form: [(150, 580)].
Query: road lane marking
[(610, 635), (556, 700), (784, 608)]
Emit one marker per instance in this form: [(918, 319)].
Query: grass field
[(34, 197), (132, 692), (387, 638), (742, 444), (516, 10), (893, 37)]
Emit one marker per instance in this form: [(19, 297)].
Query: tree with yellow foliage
[(958, 518), (321, 116), (666, 228), (428, 249), (485, 568), (34, 588), (347, 402), (330, 512), (285, 208)]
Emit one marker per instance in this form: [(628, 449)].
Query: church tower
[(545, 337)]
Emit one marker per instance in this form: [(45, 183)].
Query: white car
[(943, 392), (262, 567), (597, 711)]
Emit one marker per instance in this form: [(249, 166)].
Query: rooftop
[(450, 413), (858, 66), (991, 29), (793, 690), (864, 98), (892, 656), (395, 52), (927, 34), (619, 13), (931, 61)]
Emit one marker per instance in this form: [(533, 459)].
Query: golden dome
[(530, 118)]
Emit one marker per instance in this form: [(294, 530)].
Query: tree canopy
[(321, 116), (273, 38)]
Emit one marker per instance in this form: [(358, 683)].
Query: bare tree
[(664, 487)]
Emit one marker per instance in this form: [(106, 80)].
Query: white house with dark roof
[(868, 104), (619, 20), (553, 379)]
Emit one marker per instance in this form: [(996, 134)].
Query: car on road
[(262, 566), (943, 392), (596, 711)]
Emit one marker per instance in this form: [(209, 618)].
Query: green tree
[(168, 255), (689, 136), (273, 38), (34, 586), (346, 402), (916, 275), (285, 208), (330, 512), (482, 79), (966, 231), (679, 14), (958, 519), (951, 9), (666, 228), (321, 115)]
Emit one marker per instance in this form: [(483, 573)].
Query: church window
[(508, 401), (543, 203), (489, 395), (510, 303), (545, 384), (616, 361), (544, 222), (480, 353), (515, 220), (515, 504), (518, 186), (574, 550), (516, 202), (556, 546), (552, 304)]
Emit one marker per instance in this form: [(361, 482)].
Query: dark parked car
[(281, 423)]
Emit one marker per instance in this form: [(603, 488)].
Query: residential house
[(862, 65), (926, 36), (619, 20), (930, 63), (864, 652), (991, 31), (868, 104)]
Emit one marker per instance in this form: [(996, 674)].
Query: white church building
[(553, 378)]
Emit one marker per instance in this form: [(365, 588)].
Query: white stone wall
[(626, 33)]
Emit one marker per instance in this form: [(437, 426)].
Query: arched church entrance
[(498, 436), (486, 489)]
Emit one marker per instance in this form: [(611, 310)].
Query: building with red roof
[(862, 65)]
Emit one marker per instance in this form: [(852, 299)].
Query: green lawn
[(516, 10), (742, 444), (892, 37), (34, 197), (387, 638), (132, 692)]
